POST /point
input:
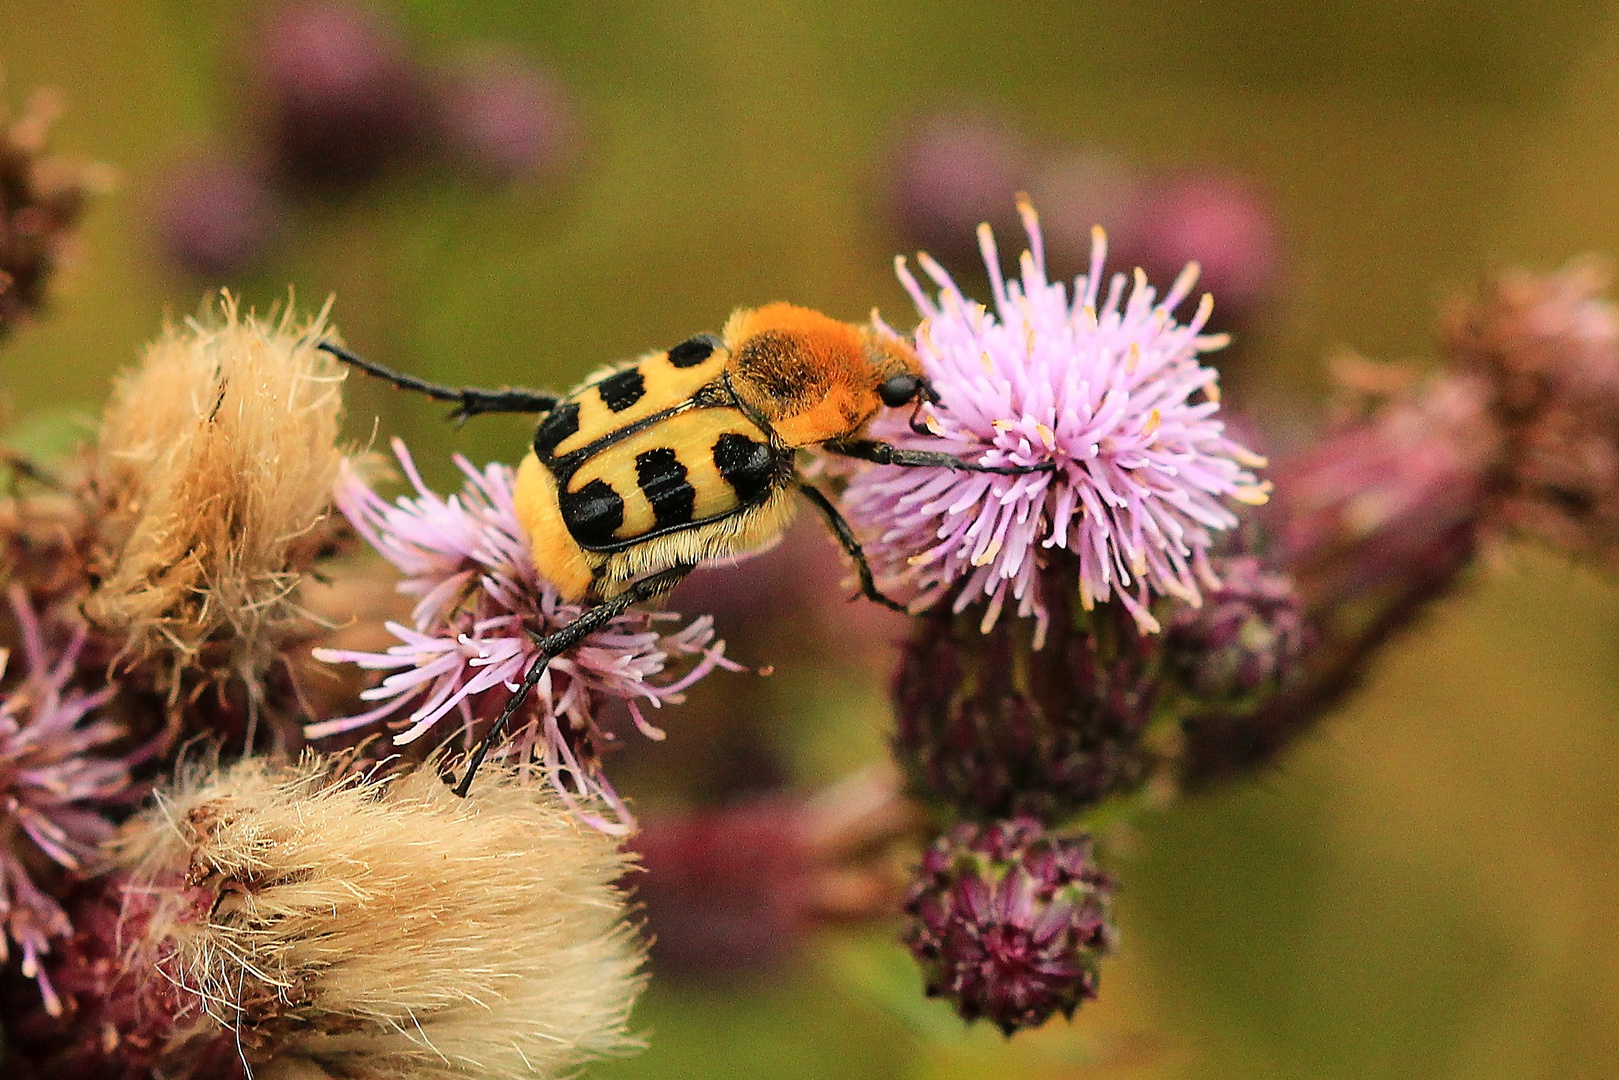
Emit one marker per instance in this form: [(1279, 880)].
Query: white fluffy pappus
[(385, 927)]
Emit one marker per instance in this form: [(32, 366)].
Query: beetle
[(652, 467)]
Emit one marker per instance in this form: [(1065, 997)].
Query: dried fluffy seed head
[(388, 929), (216, 459), (991, 726), (1010, 923)]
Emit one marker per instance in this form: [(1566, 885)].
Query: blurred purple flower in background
[(342, 96), (219, 216), (958, 167), (481, 604), (503, 119), (1109, 390), (952, 171), (1220, 222)]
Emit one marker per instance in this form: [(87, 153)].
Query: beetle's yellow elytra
[(616, 399), (557, 555), (669, 475)]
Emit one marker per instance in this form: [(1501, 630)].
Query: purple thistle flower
[(50, 782), (1109, 391), (480, 602), (1009, 922)]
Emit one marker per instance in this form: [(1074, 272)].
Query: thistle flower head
[(481, 604), (52, 781), (365, 927), (1106, 389), (1009, 923)]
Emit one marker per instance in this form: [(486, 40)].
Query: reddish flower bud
[(1010, 923), (993, 727), (1248, 639)]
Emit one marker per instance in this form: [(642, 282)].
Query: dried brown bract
[(214, 474), (42, 198), (1549, 344), (381, 928)]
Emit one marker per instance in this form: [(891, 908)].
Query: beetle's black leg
[(470, 400), (845, 535), (884, 454), (554, 645)]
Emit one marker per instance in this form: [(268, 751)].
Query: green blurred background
[(1428, 887)]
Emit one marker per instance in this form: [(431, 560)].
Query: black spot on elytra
[(694, 351), (593, 513), (618, 392), (560, 424), (663, 479), (747, 465)]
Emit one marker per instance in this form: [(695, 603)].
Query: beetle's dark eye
[(899, 390)]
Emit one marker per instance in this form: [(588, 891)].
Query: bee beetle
[(650, 468)]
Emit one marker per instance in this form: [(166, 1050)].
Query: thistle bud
[(1010, 923), (1247, 640), (993, 727)]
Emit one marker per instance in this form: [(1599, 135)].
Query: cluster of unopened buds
[(224, 722)]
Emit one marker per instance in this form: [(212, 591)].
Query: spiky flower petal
[(1107, 390), (53, 781), (481, 604), (1010, 922)]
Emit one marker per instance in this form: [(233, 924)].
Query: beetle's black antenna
[(470, 400), (554, 645)]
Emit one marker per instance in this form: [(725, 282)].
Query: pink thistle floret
[(480, 605), (51, 782), (1106, 389)]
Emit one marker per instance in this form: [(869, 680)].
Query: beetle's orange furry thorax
[(811, 377)]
